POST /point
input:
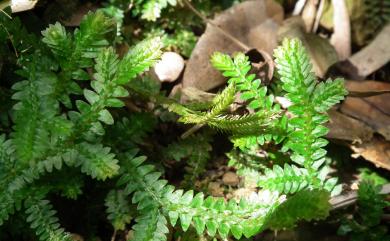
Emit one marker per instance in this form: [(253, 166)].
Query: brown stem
[(113, 235)]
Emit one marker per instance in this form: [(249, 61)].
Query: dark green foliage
[(42, 217), (377, 14), (59, 131), (316, 201), (196, 152), (118, 209), (47, 138), (366, 223)]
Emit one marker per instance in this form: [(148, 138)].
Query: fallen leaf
[(373, 56), (376, 151), (373, 111), (309, 14), (254, 23), (343, 127), (322, 53), (341, 37), (361, 118)]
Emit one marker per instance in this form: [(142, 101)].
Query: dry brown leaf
[(361, 118), (341, 37), (376, 151), (309, 14), (255, 23), (373, 111), (322, 53), (343, 127), (374, 56)]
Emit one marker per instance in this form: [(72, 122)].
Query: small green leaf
[(173, 217), (91, 96), (212, 226), (106, 117)]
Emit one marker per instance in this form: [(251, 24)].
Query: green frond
[(35, 171), (295, 71), (34, 110), (327, 94), (42, 217), (78, 50), (8, 205), (195, 150), (139, 59), (211, 214), (97, 161), (118, 209), (151, 9), (151, 226), (60, 42), (305, 205), (7, 158), (222, 101), (309, 102), (289, 179)]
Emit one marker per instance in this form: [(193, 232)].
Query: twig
[(350, 198), (12, 42), (191, 131), (317, 20), (113, 235)]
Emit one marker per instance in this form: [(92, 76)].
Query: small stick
[(113, 235), (317, 20), (350, 198), (191, 131)]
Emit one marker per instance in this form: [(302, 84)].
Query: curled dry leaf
[(374, 111), (254, 23), (341, 37), (376, 151), (361, 118)]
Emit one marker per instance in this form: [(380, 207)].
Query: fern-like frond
[(309, 101), (78, 51), (211, 214), (35, 171), (327, 94), (289, 179), (97, 161), (305, 205), (42, 217), (151, 226), (36, 107), (151, 9), (118, 209), (139, 59)]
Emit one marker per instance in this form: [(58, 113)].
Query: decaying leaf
[(255, 23), (345, 128), (341, 37), (322, 53), (376, 151), (360, 118)]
